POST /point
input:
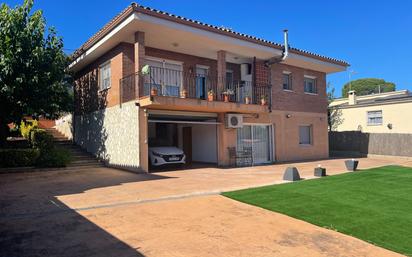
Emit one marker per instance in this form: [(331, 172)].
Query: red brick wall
[(298, 100), (87, 96), (262, 73)]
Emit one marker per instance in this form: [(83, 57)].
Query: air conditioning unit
[(234, 120)]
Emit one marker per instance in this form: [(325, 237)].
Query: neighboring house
[(117, 118), (377, 113)]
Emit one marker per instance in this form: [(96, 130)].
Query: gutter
[(285, 53)]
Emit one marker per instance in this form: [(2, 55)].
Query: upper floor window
[(305, 135), (310, 85), (374, 118), (105, 76), (287, 81)]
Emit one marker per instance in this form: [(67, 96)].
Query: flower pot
[(351, 165), (184, 94), (263, 101), (320, 172), (247, 100), (153, 92), (210, 97), (226, 98)]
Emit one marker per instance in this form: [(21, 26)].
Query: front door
[(187, 144), (258, 138)]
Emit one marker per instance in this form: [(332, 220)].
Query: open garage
[(172, 134)]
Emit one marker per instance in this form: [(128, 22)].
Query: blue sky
[(375, 37)]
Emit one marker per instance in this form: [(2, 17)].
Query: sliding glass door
[(258, 140)]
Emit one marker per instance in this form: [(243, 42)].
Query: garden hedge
[(18, 157)]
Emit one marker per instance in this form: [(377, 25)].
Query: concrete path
[(107, 212)]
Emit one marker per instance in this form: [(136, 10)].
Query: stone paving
[(107, 212)]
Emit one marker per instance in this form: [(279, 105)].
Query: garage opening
[(182, 140)]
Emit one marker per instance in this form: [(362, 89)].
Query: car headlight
[(157, 154)]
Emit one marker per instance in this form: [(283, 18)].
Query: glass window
[(305, 135), (105, 76), (287, 82), (375, 118), (310, 85)]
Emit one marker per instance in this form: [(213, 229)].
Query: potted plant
[(210, 95), (351, 165), (247, 99), (184, 93), (227, 94), (153, 91), (263, 100)]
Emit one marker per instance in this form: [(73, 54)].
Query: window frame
[(101, 73), (289, 75), (310, 126), (165, 61), (374, 124), (314, 87)]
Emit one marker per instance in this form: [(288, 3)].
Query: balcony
[(173, 89)]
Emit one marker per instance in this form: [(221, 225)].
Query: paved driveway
[(107, 212)]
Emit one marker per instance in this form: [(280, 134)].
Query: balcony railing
[(175, 83)]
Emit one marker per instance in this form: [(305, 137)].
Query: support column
[(225, 138), (139, 55), (221, 72), (139, 50), (143, 140)]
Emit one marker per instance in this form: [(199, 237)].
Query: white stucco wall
[(399, 115), (204, 147), (111, 134), (64, 125)]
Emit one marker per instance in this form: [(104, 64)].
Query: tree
[(334, 113), (368, 86), (32, 67)]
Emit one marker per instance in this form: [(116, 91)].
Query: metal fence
[(175, 83)]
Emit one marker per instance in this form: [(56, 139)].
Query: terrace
[(206, 89)]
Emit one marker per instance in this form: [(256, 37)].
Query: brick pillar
[(225, 138), (221, 72), (139, 55)]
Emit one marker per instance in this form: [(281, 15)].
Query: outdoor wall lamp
[(288, 116)]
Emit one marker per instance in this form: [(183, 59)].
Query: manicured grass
[(374, 205)]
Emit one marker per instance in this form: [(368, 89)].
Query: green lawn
[(374, 205)]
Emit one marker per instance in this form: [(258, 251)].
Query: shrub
[(41, 140), (14, 132), (54, 157), (27, 126), (18, 157)]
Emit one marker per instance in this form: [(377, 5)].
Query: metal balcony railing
[(175, 83)]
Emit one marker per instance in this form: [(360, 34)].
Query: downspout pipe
[(285, 53)]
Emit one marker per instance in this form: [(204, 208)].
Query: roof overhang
[(169, 33)]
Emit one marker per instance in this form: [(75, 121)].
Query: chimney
[(352, 97)]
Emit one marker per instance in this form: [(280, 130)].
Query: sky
[(375, 37)]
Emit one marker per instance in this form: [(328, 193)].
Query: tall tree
[(334, 114), (368, 86), (32, 66)]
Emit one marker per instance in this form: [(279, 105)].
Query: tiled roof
[(139, 8)]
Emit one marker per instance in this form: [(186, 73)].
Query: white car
[(166, 155)]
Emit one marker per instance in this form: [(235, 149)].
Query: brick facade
[(297, 100), (88, 98)]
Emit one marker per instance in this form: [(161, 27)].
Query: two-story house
[(150, 78)]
